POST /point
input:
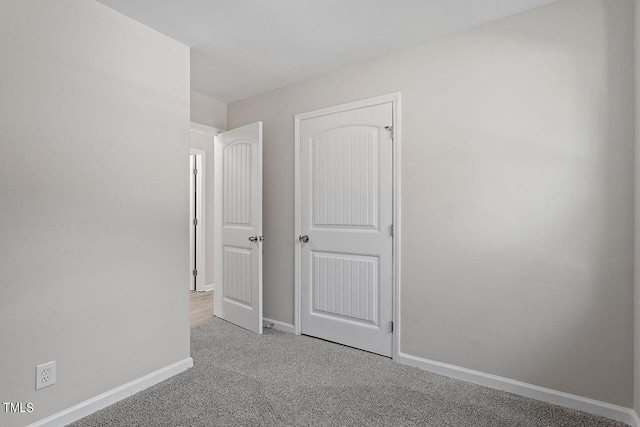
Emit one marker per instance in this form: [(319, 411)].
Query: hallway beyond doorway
[(201, 304)]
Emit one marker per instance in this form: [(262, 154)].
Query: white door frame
[(394, 98), (206, 129), (200, 261), (212, 132)]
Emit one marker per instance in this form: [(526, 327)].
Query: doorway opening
[(200, 270), (197, 219)]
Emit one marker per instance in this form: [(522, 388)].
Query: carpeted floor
[(279, 379)]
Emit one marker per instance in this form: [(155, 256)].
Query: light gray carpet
[(279, 379)]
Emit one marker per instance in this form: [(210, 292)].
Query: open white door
[(238, 226)]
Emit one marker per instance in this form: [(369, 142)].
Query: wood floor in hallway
[(201, 306)]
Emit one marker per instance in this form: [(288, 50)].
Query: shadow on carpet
[(280, 379)]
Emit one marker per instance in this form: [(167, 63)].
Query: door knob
[(253, 239), (303, 238)]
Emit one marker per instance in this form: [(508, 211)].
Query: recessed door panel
[(237, 183), (345, 287), (238, 275), (346, 178)]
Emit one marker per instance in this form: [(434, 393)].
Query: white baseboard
[(110, 397), (635, 421), (281, 326), (209, 287), (548, 395)]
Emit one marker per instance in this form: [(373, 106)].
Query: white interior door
[(196, 220), (192, 214), (346, 217), (238, 226)]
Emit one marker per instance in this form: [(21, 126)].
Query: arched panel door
[(346, 214), (238, 226)]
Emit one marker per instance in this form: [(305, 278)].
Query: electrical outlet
[(45, 375)]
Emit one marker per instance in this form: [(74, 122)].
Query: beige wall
[(517, 183), (208, 111), (94, 141)]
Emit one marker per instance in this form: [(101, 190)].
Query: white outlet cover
[(45, 375)]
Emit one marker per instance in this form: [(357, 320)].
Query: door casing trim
[(394, 98), (200, 212)]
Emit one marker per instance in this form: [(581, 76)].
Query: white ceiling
[(244, 47)]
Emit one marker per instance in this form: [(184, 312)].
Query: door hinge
[(195, 272), (391, 326), (195, 171), (195, 222), (391, 230), (390, 129)]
